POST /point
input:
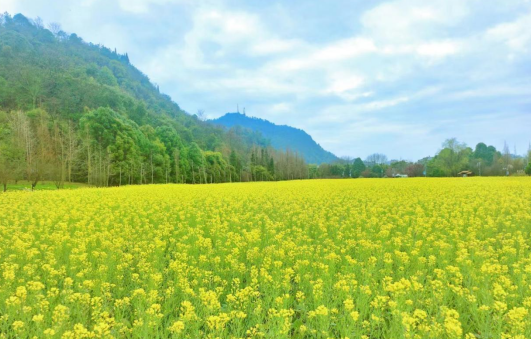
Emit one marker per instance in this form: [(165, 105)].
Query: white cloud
[(438, 49), (516, 34), (343, 85), (258, 84), (355, 112), (143, 6), (9, 6), (322, 56), (134, 6), (491, 91), (225, 27), (381, 104), (228, 31), (406, 21), (282, 107), (345, 49), (274, 46)]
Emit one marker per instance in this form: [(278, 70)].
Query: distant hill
[(282, 137)]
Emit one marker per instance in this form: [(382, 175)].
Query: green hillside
[(75, 111)]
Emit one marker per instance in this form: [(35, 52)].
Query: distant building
[(465, 173), (400, 176)]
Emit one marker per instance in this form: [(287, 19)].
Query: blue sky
[(395, 77)]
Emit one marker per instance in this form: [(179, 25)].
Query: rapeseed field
[(395, 258)]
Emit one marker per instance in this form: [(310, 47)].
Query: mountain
[(282, 137), (66, 76)]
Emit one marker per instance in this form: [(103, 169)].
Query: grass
[(42, 185)]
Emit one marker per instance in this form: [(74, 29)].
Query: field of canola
[(396, 258)]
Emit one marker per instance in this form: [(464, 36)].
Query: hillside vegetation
[(75, 111)]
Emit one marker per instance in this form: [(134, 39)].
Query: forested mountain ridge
[(65, 76), (282, 137), (75, 111)]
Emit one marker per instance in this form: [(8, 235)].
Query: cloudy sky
[(361, 76)]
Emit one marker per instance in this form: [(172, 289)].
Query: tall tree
[(358, 166)]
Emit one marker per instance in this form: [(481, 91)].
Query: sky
[(360, 76)]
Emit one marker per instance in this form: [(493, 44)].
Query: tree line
[(106, 149), (453, 158)]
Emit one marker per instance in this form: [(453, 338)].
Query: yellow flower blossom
[(414, 258)]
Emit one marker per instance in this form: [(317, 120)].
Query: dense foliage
[(75, 111), (282, 137), (417, 258)]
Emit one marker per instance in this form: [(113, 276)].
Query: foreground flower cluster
[(414, 258)]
